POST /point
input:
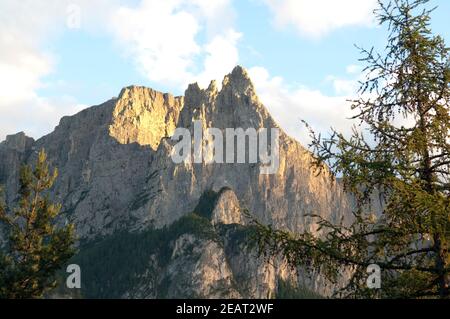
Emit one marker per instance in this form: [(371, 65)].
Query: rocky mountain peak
[(236, 105), (144, 116), (239, 81), (212, 88), (19, 142)]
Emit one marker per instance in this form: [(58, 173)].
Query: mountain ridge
[(116, 174)]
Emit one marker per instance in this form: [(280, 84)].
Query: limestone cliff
[(117, 175), (144, 116)]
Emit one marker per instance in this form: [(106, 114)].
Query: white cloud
[(21, 108), (162, 37), (24, 64), (218, 14), (289, 105), (36, 116), (319, 17), (222, 56), (342, 86), (354, 69)]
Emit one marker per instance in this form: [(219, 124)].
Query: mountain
[(149, 227)]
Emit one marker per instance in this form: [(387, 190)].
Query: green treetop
[(37, 248)]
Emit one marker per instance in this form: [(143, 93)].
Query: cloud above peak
[(317, 18), (177, 42)]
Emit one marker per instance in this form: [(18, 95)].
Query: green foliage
[(37, 248), (114, 264), (111, 265), (287, 291), (240, 234), (404, 104), (206, 204)]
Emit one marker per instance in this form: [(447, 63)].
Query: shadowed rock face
[(13, 152), (116, 173)]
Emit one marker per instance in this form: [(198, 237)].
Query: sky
[(58, 57)]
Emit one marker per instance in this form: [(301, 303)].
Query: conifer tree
[(37, 248), (401, 154)]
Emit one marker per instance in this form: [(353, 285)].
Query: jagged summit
[(235, 105), (239, 80), (145, 116), (213, 87)]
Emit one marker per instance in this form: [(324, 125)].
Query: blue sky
[(58, 57)]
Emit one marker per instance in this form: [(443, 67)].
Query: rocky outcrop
[(201, 268), (208, 273), (13, 152), (144, 116), (116, 174), (227, 210), (18, 142)]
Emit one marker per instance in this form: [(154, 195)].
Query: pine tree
[(37, 247), (402, 157)]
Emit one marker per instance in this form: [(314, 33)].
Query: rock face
[(144, 116), (227, 210), (116, 174), (13, 152)]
